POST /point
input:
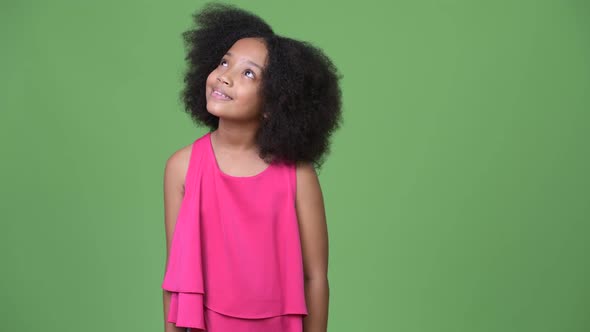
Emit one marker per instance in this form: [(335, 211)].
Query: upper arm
[(312, 223), (174, 178)]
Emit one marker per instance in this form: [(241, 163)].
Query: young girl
[(246, 235)]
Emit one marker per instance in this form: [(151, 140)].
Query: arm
[(174, 176), (314, 245)]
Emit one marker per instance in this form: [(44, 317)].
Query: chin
[(213, 111)]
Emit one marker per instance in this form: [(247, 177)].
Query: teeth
[(221, 94)]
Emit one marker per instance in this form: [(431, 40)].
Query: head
[(289, 87), (233, 88)]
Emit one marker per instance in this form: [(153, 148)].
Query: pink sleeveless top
[(235, 247)]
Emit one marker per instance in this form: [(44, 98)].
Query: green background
[(457, 190)]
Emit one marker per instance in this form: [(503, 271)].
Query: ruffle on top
[(235, 247)]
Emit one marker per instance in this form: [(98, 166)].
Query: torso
[(238, 164), (230, 163)]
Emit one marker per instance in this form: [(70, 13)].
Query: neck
[(236, 136)]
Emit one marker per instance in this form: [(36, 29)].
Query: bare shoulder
[(313, 228), (174, 178), (177, 166), (308, 185), (306, 172)]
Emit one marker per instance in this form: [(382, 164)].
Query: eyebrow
[(250, 62)]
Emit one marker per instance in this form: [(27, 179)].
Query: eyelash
[(247, 70)]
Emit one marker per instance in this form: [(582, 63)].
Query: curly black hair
[(300, 85)]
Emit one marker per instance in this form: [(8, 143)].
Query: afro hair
[(300, 85)]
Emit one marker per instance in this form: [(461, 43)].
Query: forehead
[(249, 49)]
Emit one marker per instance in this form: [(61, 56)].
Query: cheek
[(210, 82), (211, 77), (256, 98), (252, 98)]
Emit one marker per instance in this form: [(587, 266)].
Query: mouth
[(219, 95)]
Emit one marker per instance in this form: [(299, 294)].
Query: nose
[(224, 79)]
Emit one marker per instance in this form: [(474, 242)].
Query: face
[(232, 89)]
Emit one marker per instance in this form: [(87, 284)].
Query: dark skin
[(314, 244), (238, 76)]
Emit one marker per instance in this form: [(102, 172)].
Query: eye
[(222, 62), (249, 71)]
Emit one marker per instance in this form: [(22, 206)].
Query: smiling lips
[(219, 95)]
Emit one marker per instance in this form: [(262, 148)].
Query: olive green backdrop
[(457, 191)]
